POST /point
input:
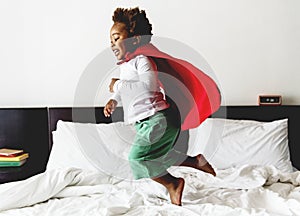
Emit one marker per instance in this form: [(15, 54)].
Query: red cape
[(195, 93)]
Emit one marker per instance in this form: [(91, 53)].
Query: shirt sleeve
[(147, 78), (116, 96)]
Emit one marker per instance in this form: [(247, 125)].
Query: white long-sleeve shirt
[(139, 89)]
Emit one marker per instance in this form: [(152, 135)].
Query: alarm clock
[(269, 100)]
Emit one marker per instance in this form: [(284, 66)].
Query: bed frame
[(31, 129)]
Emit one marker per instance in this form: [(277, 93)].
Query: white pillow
[(230, 143), (93, 147), (66, 153), (226, 143)]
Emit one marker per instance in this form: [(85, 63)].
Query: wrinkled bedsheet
[(247, 190)]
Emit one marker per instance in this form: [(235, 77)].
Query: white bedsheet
[(248, 190)]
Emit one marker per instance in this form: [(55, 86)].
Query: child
[(145, 103)]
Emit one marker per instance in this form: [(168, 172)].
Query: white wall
[(252, 46)]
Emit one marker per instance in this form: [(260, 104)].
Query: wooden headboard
[(31, 128)]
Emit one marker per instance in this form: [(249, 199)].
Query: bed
[(254, 150)]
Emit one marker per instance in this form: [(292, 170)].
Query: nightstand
[(9, 174), (26, 129)]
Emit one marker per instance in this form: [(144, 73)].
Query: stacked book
[(12, 157)]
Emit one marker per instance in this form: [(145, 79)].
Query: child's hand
[(110, 107), (112, 83)]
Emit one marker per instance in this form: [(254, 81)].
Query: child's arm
[(112, 83), (113, 102), (146, 80)]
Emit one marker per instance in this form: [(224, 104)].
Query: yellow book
[(16, 158)]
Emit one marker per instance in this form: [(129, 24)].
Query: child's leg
[(198, 162), (174, 186)]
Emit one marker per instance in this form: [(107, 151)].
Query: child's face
[(118, 36)]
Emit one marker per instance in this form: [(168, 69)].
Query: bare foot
[(175, 191), (203, 165), (200, 163)]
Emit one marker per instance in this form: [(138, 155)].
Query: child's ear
[(137, 39)]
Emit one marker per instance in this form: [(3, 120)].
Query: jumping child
[(158, 120)]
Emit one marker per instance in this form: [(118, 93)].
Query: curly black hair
[(136, 22)]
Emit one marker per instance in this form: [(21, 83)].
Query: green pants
[(152, 151)]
